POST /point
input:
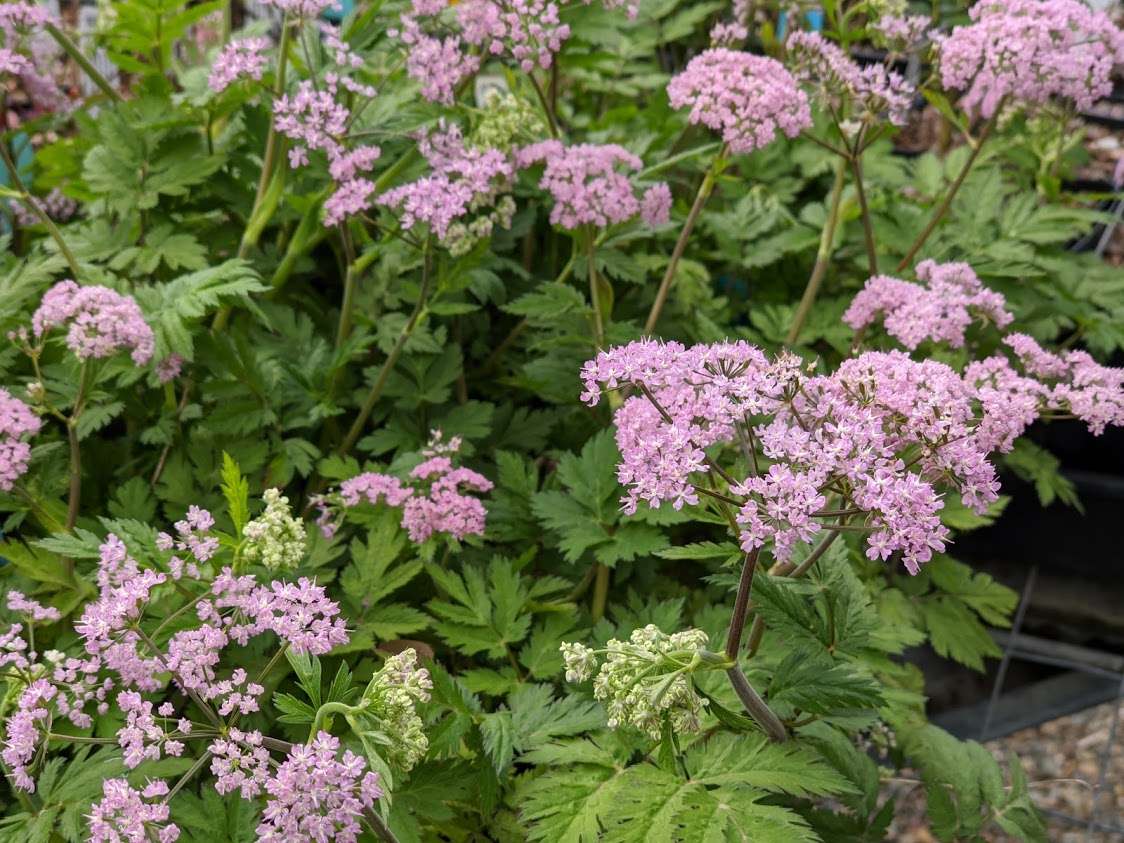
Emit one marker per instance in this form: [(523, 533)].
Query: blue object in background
[(813, 18), (335, 14), (24, 156)]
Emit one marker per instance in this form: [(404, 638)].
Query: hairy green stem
[(868, 223), (946, 203), (373, 396), (705, 189), (823, 256)]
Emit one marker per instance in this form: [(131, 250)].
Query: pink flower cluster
[(22, 26), (848, 434), (241, 763), (529, 31), (316, 794), (870, 91), (229, 609), (17, 423), (464, 195), (903, 32), (940, 309), (1031, 51), (243, 58), (438, 64), (101, 321), (433, 500), (126, 814), (589, 189), (747, 99), (315, 118), (1074, 383)]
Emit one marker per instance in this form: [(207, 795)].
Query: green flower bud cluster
[(275, 538), (391, 698), (461, 237), (505, 121), (644, 679)]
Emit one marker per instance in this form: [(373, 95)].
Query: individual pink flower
[(18, 423), (1030, 51), (317, 794), (870, 91), (940, 309), (126, 814), (747, 99), (242, 58), (100, 321)]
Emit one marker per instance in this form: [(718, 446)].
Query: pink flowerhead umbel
[(240, 763), (28, 54), (1075, 383), (18, 423), (869, 91), (896, 434), (243, 58), (438, 62), (101, 321), (1030, 51), (589, 187), (529, 31), (433, 500), (317, 794), (125, 814), (465, 195), (747, 99), (940, 309), (903, 32)]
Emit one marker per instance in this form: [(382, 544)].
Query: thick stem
[(823, 256), (756, 707), (381, 829), (942, 208), (373, 396), (600, 592), (79, 58), (741, 605), (199, 764), (705, 189), (868, 223)]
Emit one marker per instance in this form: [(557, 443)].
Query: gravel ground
[(1062, 759)]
